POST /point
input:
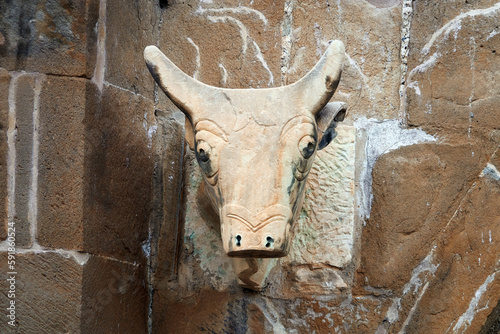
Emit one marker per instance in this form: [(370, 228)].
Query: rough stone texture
[(72, 293), (114, 297), (48, 293), (56, 37), (5, 79), (63, 104), (119, 169), (371, 76), (24, 106), (223, 43), (453, 68), (408, 212), (168, 204), (130, 27)]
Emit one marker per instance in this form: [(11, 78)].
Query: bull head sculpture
[(256, 147)]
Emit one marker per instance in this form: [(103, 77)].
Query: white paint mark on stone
[(491, 171), (466, 318), (413, 309), (415, 283), (33, 198), (272, 316), (260, 57), (492, 34), (286, 39), (198, 59), (455, 24), (100, 64), (238, 10), (224, 75), (407, 15), (241, 26), (381, 138)]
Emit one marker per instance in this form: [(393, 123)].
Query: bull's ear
[(327, 119)]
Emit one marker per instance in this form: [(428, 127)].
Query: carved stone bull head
[(256, 147)]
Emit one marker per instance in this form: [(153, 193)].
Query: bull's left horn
[(316, 88), (188, 94)]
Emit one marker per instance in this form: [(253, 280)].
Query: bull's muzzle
[(261, 235)]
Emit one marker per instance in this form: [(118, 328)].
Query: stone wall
[(400, 227)]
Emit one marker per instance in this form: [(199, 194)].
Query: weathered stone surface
[(371, 76), (167, 224), (26, 96), (118, 171), (416, 192), (129, 29), (114, 297), (466, 285), (453, 67), (233, 46), (55, 37), (75, 293), (4, 125), (48, 294), (63, 103)]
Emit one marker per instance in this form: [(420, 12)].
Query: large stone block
[(224, 44), (74, 293), (169, 205), (130, 27), (453, 68), (63, 104), (417, 189), (55, 37), (119, 163), (4, 125), (114, 297), (25, 98), (466, 288), (47, 294), (371, 34)]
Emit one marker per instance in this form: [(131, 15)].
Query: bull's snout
[(261, 235)]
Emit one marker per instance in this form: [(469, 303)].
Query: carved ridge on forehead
[(295, 121), (212, 127)]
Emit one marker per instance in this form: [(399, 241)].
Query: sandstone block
[(114, 297), (4, 124), (416, 192), (119, 162), (47, 294), (453, 65), (55, 37), (63, 104), (75, 293), (466, 289), (224, 45), (25, 99), (371, 75), (129, 29), (168, 228)]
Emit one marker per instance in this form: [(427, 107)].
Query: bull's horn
[(318, 85), (186, 93)]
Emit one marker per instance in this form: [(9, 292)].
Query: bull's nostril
[(238, 240), (270, 241)]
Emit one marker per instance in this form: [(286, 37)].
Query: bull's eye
[(307, 146), (203, 150)]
